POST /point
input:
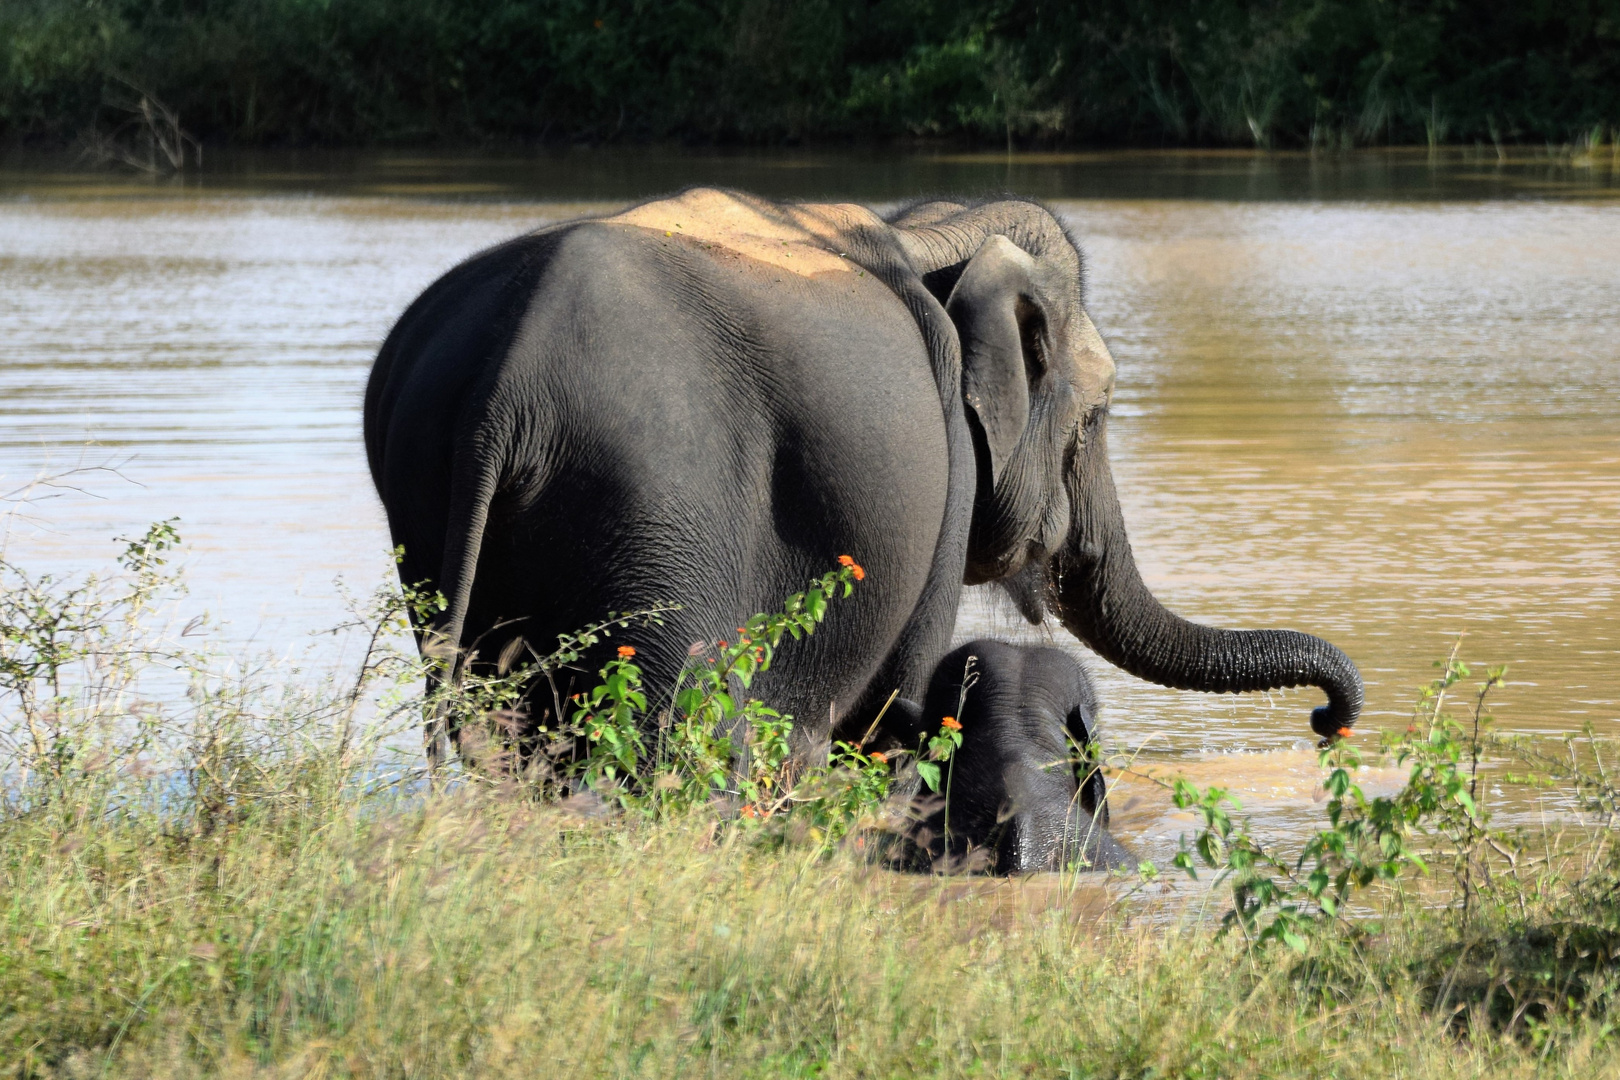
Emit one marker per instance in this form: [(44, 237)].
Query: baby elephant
[(1019, 791)]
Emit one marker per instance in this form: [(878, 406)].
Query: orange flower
[(1345, 733), (749, 811), (846, 560), (879, 756), (626, 651), (858, 573), (952, 723)]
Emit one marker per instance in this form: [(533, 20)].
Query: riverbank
[(481, 935), (584, 179), (250, 877), (1339, 73)]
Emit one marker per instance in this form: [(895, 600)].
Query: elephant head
[(1036, 382)]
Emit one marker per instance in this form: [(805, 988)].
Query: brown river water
[(1369, 395)]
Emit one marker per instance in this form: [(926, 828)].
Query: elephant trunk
[(1101, 598)]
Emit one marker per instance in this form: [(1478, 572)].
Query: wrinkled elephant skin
[(705, 400), (1020, 794)]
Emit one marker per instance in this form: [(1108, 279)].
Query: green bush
[(1225, 72)]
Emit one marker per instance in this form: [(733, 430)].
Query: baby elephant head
[(1021, 793)]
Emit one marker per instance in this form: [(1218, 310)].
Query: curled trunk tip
[(1099, 594)]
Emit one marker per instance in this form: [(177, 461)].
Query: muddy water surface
[(1379, 410)]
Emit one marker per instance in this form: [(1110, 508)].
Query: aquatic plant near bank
[(1528, 927), (77, 657), (713, 738), (1366, 841), (716, 747)]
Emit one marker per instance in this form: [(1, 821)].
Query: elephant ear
[(995, 311)]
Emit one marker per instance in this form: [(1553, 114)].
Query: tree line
[(1024, 73)]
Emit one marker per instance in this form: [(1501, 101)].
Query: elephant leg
[(910, 666)]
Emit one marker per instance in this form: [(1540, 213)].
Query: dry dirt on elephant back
[(804, 240)]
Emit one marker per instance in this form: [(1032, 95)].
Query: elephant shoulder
[(807, 240)]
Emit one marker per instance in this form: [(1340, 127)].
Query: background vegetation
[(1030, 72)]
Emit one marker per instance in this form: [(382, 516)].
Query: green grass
[(485, 936), (247, 881)]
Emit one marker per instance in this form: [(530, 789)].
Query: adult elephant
[(708, 398)]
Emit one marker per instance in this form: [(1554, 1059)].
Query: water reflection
[(1386, 421), (619, 174), (1386, 424)]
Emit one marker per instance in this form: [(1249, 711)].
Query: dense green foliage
[(1287, 72)]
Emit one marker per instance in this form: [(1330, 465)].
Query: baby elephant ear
[(992, 306)]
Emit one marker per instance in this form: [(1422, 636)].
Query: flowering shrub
[(607, 715), (941, 747), (714, 741)]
